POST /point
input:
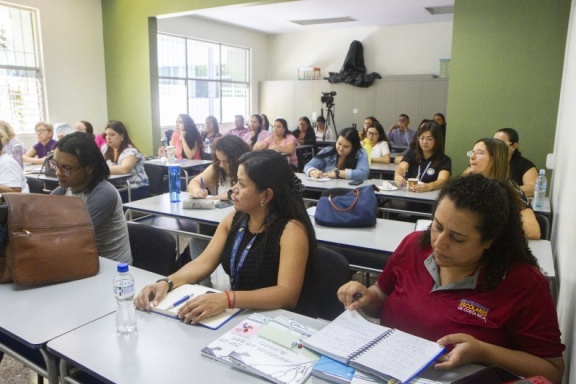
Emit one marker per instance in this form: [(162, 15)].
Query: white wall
[(202, 29), (562, 198), (73, 53), (396, 50)]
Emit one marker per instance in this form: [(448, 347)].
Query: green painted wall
[(127, 57), (505, 71)]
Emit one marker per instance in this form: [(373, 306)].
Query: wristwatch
[(337, 173), (170, 283)]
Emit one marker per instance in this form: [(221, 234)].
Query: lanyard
[(421, 176), (236, 268)]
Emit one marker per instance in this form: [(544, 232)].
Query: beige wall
[(73, 52)]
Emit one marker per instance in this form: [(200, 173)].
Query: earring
[(262, 202)]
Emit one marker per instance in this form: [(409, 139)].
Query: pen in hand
[(180, 301), (202, 183)]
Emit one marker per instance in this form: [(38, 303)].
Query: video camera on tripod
[(328, 98)]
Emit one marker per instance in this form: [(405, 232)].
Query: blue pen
[(202, 183), (180, 301)]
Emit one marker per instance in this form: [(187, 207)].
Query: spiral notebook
[(385, 352)]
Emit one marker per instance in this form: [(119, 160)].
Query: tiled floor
[(13, 372)]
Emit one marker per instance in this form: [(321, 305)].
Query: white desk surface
[(160, 205), (184, 163), (383, 168), (382, 238), (36, 314), (164, 350), (542, 250), (400, 194)]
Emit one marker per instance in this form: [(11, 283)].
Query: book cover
[(175, 299), (332, 370), (245, 348)]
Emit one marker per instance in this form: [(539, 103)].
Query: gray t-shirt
[(105, 209)]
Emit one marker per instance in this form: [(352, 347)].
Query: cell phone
[(223, 204), (356, 182)]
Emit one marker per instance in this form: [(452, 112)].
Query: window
[(202, 79), (21, 84)]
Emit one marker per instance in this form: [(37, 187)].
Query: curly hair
[(232, 147), (496, 205)]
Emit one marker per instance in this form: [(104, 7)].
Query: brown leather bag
[(50, 239)]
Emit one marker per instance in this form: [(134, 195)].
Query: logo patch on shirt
[(473, 309), (430, 171)]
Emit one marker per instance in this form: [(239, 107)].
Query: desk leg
[(185, 177), (129, 190), (51, 368)]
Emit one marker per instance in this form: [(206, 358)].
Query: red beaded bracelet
[(233, 299), (228, 298)]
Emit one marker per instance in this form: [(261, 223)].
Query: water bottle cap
[(542, 171), (122, 267)]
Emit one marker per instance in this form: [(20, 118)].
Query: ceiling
[(275, 17)]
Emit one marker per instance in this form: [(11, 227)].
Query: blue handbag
[(357, 208)]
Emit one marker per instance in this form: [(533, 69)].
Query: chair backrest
[(156, 181), (544, 225), (153, 249), (334, 272)]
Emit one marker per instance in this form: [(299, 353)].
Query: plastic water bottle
[(540, 190), (124, 294), (207, 149), (174, 182), (17, 154)]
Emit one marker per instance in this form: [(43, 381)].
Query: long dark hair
[(269, 169), (215, 124), (192, 137), (496, 205), (89, 127), (254, 138), (381, 133), (350, 134), (233, 147), (513, 138), (432, 127), (82, 146), (120, 129), (285, 125)]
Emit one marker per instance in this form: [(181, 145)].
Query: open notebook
[(170, 305)]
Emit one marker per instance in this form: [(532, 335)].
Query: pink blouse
[(289, 139)]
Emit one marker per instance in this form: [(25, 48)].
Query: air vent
[(440, 10), (324, 21)]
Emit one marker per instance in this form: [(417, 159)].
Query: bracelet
[(228, 299), (233, 299), (167, 280)]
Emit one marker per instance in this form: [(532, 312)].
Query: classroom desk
[(185, 165), (384, 171), (160, 205), (427, 198), (164, 350), (34, 315)]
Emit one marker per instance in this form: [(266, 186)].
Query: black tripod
[(329, 117)]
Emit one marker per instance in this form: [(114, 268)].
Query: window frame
[(22, 123), (220, 83)]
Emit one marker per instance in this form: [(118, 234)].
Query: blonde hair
[(46, 125), (6, 132)]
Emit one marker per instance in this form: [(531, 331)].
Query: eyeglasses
[(41, 130), (475, 153), (402, 120), (372, 133), (66, 170), (429, 139)]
